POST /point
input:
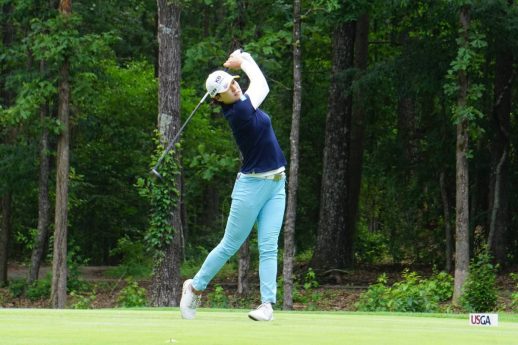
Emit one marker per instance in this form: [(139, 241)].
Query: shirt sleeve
[(258, 89)]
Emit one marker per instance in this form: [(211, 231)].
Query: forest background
[(392, 92)]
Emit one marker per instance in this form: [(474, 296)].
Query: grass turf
[(229, 327)]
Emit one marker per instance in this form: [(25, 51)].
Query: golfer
[(259, 190)]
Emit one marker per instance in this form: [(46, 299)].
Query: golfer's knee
[(268, 251), (228, 248)]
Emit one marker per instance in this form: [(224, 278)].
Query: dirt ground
[(337, 290)]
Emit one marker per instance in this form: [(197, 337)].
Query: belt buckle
[(277, 177)]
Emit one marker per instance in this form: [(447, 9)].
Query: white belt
[(275, 177)]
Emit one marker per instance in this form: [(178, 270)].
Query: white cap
[(219, 81)]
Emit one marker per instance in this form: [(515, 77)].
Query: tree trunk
[(5, 230), (293, 177), (43, 199), (499, 213), (183, 218), (334, 247), (166, 286), (407, 119), (407, 129), (59, 264), (166, 282), (6, 98), (243, 286), (462, 180), (361, 55), (447, 224)]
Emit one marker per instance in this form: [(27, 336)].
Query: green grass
[(229, 327)]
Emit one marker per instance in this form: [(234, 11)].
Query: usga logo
[(483, 320)]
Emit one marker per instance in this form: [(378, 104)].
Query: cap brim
[(228, 87)]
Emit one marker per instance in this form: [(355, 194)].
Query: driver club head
[(155, 173)]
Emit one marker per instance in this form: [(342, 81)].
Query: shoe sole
[(252, 318)]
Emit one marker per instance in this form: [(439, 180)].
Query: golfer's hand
[(234, 62)]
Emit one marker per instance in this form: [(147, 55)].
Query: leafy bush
[(308, 295), (134, 260), (3, 297), (40, 289), (217, 298), (74, 263), (413, 294), (479, 292), (83, 301), (132, 295), (371, 246), (17, 287), (310, 280), (305, 256), (514, 295)]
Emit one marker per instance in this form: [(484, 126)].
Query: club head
[(155, 173)]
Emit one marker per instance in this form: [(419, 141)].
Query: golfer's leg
[(242, 216), (269, 225)]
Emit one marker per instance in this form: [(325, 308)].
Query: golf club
[(172, 142), (170, 146)]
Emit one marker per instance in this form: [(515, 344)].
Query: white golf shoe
[(189, 301), (263, 313)]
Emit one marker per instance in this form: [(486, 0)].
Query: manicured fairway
[(221, 327)]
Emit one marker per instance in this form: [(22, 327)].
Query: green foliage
[(307, 295), (479, 291), (310, 280), (408, 93), (162, 195), (40, 289), (210, 164), (134, 262), (3, 296), (514, 295), (17, 287), (132, 295), (74, 263), (469, 61), (111, 149), (217, 298), (26, 238), (83, 301), (371, 246), (412, 294)]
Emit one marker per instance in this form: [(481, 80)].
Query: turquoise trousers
[(253, 200)]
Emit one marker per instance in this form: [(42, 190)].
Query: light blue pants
[(253, 199)]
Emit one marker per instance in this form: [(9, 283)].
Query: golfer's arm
[(258, 88)]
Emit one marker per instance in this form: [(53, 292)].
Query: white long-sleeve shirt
[(258, 88)]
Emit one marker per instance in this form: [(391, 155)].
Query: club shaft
[(173, 141)]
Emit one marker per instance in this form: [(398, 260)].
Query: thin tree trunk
[(59, 264), (361, 55), (243, 286), (166, 282), (5, 230), (6, 99), (447, 224), (293, 177), (407, 129), (183, 213), (499, 219), (462, 179), (43, 198), (333, 250)]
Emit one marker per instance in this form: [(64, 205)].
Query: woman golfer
[(258, 194)]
